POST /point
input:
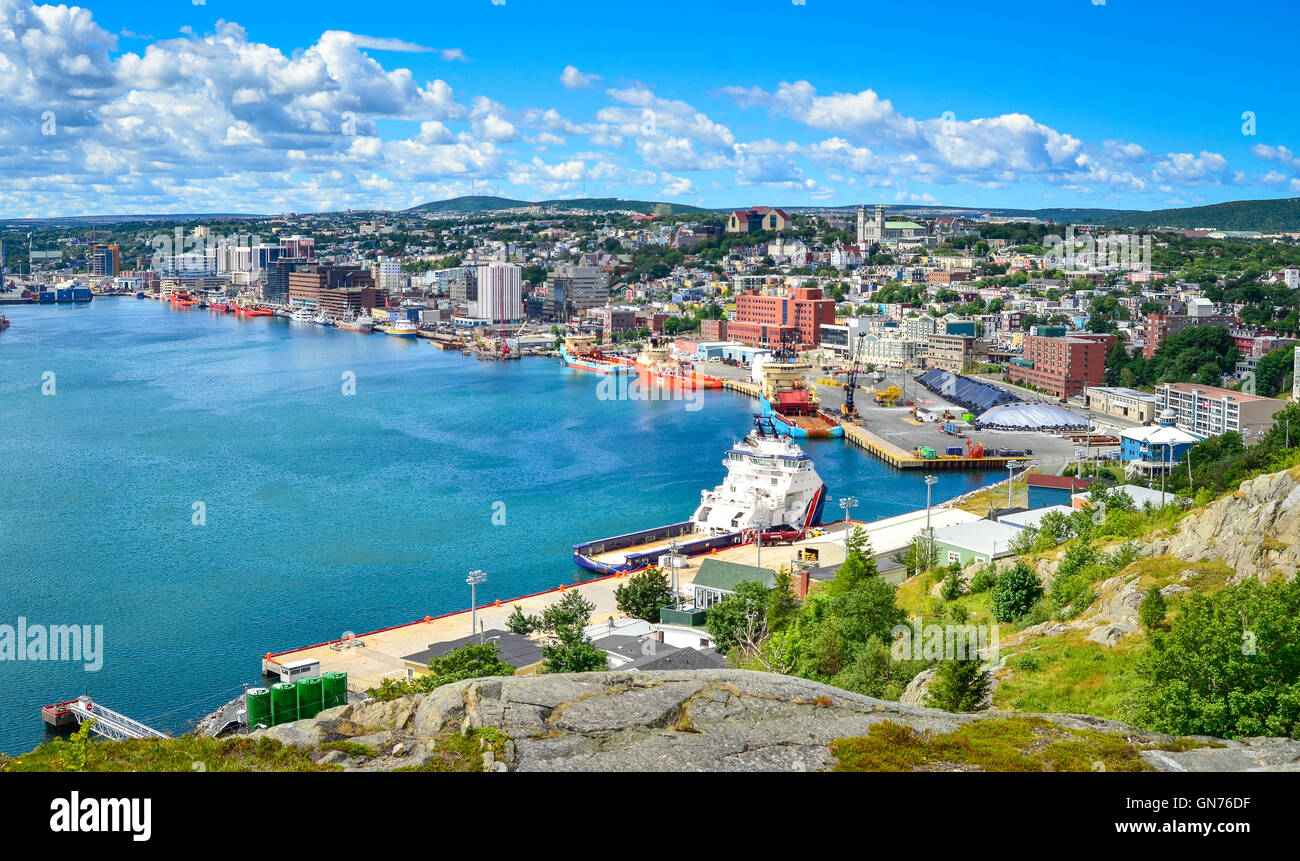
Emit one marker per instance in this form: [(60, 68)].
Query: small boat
[(322, 320), (139, 295), (357, 324), (4, 322), (400, 329)]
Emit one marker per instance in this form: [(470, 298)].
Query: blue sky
[(274, 106)]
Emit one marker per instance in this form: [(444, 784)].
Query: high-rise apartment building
[(500, 293)]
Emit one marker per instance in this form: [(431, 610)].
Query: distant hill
[(1075, 216), (482, 203), (1265, 216)]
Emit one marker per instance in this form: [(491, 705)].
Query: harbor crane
[(848, 410)]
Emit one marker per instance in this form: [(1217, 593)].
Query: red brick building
[(1063, 366), (713, 330), (768, 319), (1161, 326)]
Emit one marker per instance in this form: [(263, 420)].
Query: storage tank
[(336, 689), (258, 703), (284, 703), (310, 702)]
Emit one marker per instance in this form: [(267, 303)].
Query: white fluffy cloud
[(572, 79), (196, 121)]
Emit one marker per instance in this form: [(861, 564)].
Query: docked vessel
[(219, 303), (791, 400), (581, 352), (400, 329), (656, 365), (771, 485), (322, 320), (357, 324), (301, 316), (182, 298)]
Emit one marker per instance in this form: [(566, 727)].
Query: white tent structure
[(1030, 417)]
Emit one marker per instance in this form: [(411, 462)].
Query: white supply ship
[(771, 485)]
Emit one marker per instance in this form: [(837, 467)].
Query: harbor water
[(211, 488)]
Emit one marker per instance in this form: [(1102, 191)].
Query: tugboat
[(770, 485), (581, 352)]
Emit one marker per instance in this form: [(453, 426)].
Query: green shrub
[(951, 589), (1151, 613), (1016, 591), (984, 580)]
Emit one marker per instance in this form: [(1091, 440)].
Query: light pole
[(759, 525), (930, 482), (847, 503), (673, 562), (475, 577)]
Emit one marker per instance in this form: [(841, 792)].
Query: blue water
[(324, 512)]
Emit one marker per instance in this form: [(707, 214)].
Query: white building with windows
[(500, 293)]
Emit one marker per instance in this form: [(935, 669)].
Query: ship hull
[(817, 426), (688, 381), (652, 541)]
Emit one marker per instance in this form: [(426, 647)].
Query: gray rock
[(683, 721)]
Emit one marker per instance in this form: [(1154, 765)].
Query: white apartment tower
[(500, 293)]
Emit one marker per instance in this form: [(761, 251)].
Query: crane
[(848, 410)]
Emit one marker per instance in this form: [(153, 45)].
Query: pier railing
[(108, 723)]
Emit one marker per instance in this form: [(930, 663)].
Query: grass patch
[(990, 498), (1072, 674), (1211, 575), (351, 748), (1001, 744), (455, 752), (185, 753)]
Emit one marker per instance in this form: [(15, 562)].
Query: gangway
[(108, 723)]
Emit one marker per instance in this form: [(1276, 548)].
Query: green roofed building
[(717, 579)]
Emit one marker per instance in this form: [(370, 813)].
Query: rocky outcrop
[(705, 720), (1254, 530)]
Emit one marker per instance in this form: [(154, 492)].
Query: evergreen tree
[(959, 686)]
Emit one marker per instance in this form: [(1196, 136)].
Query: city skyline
[(235, 107)]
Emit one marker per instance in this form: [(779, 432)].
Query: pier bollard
[(428, 618)]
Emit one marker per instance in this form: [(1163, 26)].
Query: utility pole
[(474, 579), (1011, 480)]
